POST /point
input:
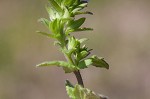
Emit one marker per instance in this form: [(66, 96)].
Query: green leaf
[(51, 12), (44, 21), (84, 54), (54, 27), (78, 6), (83, 40), (72, 43), (78, 92), (46, 34), (84, 29), (68, 67), (79, 30), (58, 1), (76, 24), (95, 61), (83, 4), (79, 12), (66, 13), (77, 2), (68, 2), (56, 6), (57, 43), (85, 63), (99, 62)]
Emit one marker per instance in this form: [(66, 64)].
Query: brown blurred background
[(121, 35)]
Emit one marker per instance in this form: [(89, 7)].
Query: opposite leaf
[(99, 62), (68, 67), (95, 61)]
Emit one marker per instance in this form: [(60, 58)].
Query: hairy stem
[(79, 78)]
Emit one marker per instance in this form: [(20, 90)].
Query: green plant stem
[(77, 73), (79, 78)]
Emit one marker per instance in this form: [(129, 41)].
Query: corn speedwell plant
[(62, 24)]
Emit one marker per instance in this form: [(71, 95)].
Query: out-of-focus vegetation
[(121, 28)]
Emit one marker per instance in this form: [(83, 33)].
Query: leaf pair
[(68, 68), (62, 27)]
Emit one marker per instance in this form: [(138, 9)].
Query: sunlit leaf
[(76, 10), (53, 26), (84, 4), (56, 6), (51, 13), (66, 13), (72, 43), (68, 67)]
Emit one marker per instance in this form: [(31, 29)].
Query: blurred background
[(121, 35)]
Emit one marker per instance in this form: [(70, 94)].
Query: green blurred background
[(121, 35)]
